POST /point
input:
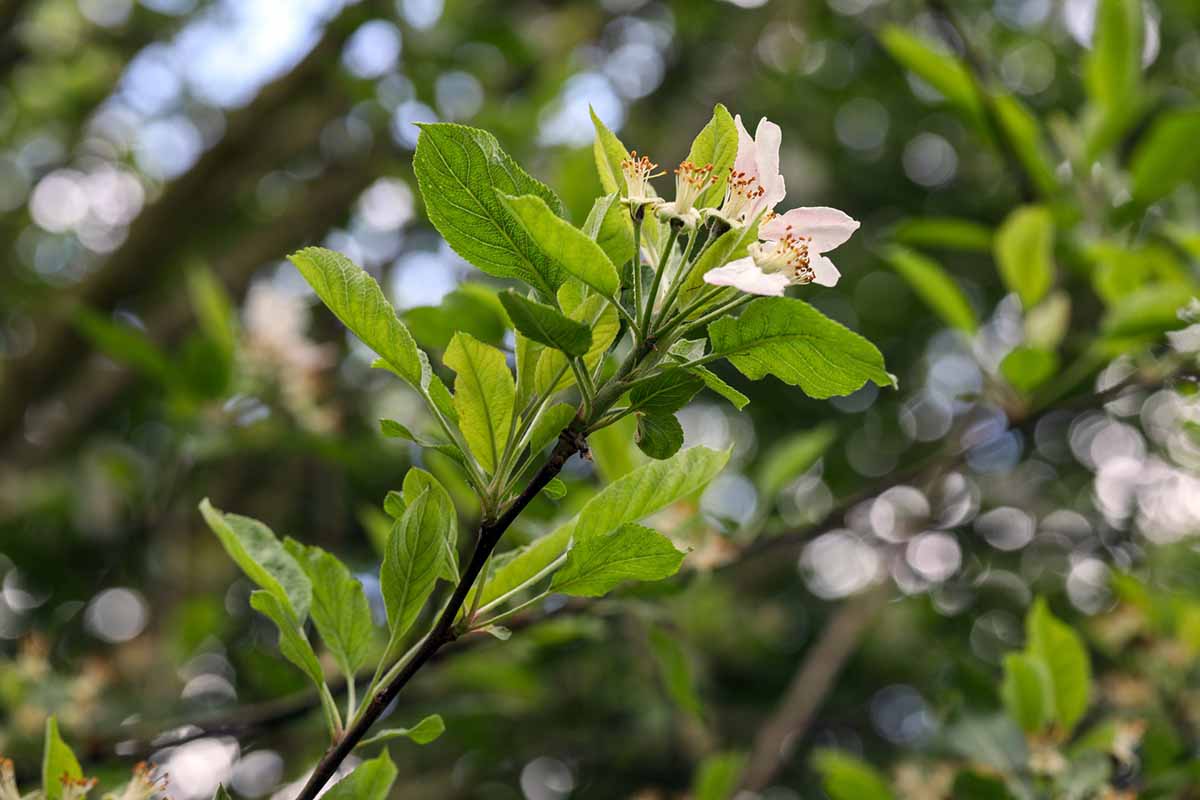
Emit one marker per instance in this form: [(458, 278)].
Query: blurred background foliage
[(860, 574)]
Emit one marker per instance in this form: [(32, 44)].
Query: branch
[(570, 442), (777, 739)]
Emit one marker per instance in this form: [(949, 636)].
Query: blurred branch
[(955, 36), (165, 231), (98, 382), (816, 676), (836, 644)]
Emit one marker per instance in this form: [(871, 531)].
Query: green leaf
[(411, 564), (58, 762), (658, 435), (635, 495), (254, 548), (416, 481), (979, 787), (555, 489), (1024, 252), (609, 153), (394, 504), (222, 794), (484, 395), (1066, 659), (1167, 155), (716, 144), (598, 314), (936, 288), (372, 780), (549, 425), (572, 251), (799, 345), (845, 777), (1027, 368), (945, 73), (356, 299), (1024, 133), (597, 564), (472, 307), (527, 354), (1113, 68), (125, 343), (676, 671), (994, 741), (293, 644), (424, 732), (647, 489), (691, 349), (1027, 691), (609, 225), (949, 233), (791, 457), (1152, 310), (729, 245), (339, 606), (665, 392), (717, 776), (546, 325), (1046, 324), (462, 173)]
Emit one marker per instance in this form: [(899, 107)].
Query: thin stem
[(443, 632), (663, 260), (636, 269), (549, 568), (351, 695), (716, 313), (514, 610), (690, 257)]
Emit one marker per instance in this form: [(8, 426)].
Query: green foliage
[(415, 553), (799, 345), (1027, 691), (546, 325), (717, 776), (608, 224), (845, 777), (609, 153), (665, 392), (935, 287), (572, 251), (1066, 660), (1112, 70), (463, 173), (424, 732), (356, 299), (58, 763), (599, 563), (293, 644), (659, 435), (943, 72), (371, 780), (418, 481), (676, 671), (255, 549), (1027, 368), (789, 458), (339, 606), (949, 233), (1166, 156), (716, 144), (1024, 253), (484, 396)]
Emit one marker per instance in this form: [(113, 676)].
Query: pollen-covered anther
[(741, 192), (788, 255), (8, 780), (690, 182), (75, 788), (638, 171)]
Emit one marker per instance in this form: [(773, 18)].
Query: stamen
[(690, 182), (638, 172), (788, 255), (741, 193)]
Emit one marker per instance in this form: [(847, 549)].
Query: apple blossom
[(755, 185), (690, 182), (638, 171), (791, 252)]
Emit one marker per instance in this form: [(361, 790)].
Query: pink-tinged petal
[(746, 159), (767, 138), (744, 275), (826, 273), (827, 227)]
